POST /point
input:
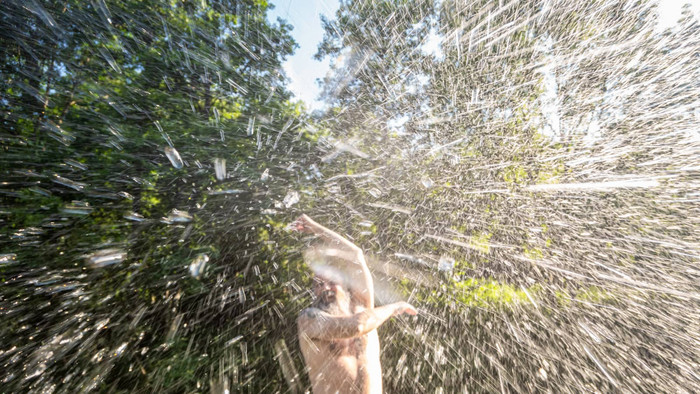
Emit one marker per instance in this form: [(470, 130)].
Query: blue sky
[(302, 69)]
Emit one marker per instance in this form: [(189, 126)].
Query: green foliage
[(480, 241), (488, 293), (92, 94)]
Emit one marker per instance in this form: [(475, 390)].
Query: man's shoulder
[(309, 313)]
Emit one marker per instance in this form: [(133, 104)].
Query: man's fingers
[(410, 310), (302, 224), (405, 307), (296, 226)]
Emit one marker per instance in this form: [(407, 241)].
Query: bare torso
[(343, 365), (338, 336)]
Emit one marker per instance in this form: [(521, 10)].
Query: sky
[(305, 15), (302, 69)]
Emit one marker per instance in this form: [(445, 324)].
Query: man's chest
[(355, 347)]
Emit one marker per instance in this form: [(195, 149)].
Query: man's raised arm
[(317, 324), (361, 285)]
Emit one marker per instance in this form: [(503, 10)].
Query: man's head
[(329, 289)]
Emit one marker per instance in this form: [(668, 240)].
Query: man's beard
[(333, 305)]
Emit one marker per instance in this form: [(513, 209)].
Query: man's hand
[(300, 224), (404, 307), (304, 224)]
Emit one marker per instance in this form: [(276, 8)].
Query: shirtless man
[(338, 333)]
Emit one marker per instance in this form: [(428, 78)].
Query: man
[(338, 333)]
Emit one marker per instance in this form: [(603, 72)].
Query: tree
[(482, 184), (146, 145)]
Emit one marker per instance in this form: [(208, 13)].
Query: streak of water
[(173, 156)]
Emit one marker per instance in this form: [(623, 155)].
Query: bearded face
[(330, 295)]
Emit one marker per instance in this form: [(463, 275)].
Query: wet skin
[(338, 334)]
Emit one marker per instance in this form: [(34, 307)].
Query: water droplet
[(446, 263), (76, 164), (7, 258), (315, 171), (178, 216), (137, 217), (365, 223), (251, 126), (69, 183), (174, 157), (220, 168), (40, 191), (77, 208), (291, 198), (228, 191), (119, 350), (198, 265), (286, 362), (105, 257)]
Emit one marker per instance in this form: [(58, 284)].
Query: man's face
[(328, 290)]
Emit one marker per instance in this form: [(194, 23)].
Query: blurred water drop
[(40, 191), (374, 192), (366, 223), (315, 171), (178, 216), (251, 126), (243, 346), (284, 358), (228, 191), (136, 217), (291, 198), (233, 340), (446, 263), (79, 186), (119, 350), (198, 265), (220, 168), (7, 258), (76, 164), (78, 208), (216, 116), (106, 257), (174, 157), (174, 328)]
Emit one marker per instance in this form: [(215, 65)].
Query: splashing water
[(220, 169), (198, 264), (290, 199), (524, 172), (106, 257), (178, 216), (173, 156)]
